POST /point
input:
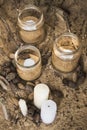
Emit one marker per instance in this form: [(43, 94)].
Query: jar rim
[(32, 26), (71, 35), (25, 47)]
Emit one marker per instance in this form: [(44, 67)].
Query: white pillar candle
[(29, 62), (23, 107), (48, 111), (41, 93)]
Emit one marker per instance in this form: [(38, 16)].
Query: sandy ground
[(72, 103)]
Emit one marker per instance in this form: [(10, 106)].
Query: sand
[(72, 106)]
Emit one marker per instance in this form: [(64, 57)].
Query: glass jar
[(66, 52), (31, 24), (28, 62)]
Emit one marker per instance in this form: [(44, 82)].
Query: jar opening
[(27, 52), (30, 18), (68, 44)]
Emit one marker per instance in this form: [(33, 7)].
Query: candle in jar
[(31, 34), (41, 93), (30, 22), (48, 111), (29, 62), (66, 52)]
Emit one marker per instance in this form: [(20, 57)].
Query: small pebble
[(7, 70), (81, 74), (7, 64), (65, 81), (11, 76), (16, 81), (30, 83), (72, 84), (13, 88), (29, 88), (21, 86), (12, 55), (21, 94), (57, 93), (69, 83), (81, 80)]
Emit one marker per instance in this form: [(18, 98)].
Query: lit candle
[(48, 111), (29, 62), (41, 93)]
